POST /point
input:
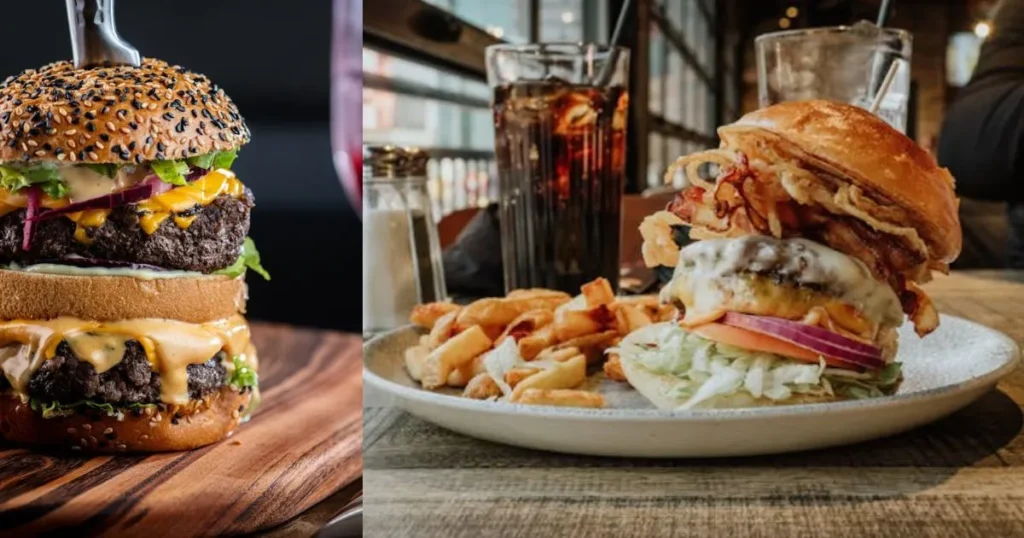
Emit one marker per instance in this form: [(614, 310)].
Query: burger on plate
[(123, 251), (816, 222)]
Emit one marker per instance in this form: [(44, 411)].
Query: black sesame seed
[(138, 159), (131, 146), (116, 148), (58, 151), (174, 421), (90, 115), (133, 125), (180, 127), (160, 146), (105, 137), (33, 132), (89, 148), (160, 156), (241, 408), (168, 116), (47, 146), (149, 140), (90, 127)]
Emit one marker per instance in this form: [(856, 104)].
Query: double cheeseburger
[(816, 223), (123, 251)]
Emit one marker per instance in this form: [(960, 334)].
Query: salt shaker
[(401, 252)]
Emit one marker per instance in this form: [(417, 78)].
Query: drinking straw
[(613, 52)]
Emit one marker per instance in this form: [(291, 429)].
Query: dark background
[(273, 59)]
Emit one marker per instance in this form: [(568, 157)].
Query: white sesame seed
[(87, 427), (93, 439), (25, 127), (76, 447), (125, 130), (110, 126), (70, 132), (40, 153), (58, 119), (73, 158), (93, 156), (24, 147), (62, 112), (83, 441), (33, 143), (72, 431), (100, 145), (143, 437), (61, 157), (72, 143), (122, 446)]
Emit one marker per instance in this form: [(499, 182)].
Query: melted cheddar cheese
[(174, 204), (201, 192), (170, 347)]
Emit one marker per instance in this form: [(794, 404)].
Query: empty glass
[(842, 63)]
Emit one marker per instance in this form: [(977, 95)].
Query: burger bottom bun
[(154, 429)]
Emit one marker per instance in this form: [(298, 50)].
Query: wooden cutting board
[(302, 444)]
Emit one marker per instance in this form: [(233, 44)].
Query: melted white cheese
[(74, 270), (798, 261)]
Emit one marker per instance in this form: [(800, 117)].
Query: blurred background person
[(982, 140), (275, 62)]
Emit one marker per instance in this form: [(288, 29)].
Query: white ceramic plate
[(943, 372)]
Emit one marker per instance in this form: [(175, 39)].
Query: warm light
[(792, 12), (783, 23), (982, 29), (496, 31), (568, 17)]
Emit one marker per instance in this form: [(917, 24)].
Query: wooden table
[(294, 466), (962, 476)]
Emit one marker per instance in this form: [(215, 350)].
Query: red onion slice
[(816, 339), (147, 188), (30, 212)]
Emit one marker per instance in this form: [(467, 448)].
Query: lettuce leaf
[(110, 169), (44, 175), (249, 259), (242, 375), (172, 172), (214, 160)]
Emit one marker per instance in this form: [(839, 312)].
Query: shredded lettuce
[(242, 375), (44, 175), (500, 360), (706, 371), (172, 172), (249, 259), (58, 409)]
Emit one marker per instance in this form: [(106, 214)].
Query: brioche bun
[(853, 145), (116, 114), (153, 429), (42, 296)]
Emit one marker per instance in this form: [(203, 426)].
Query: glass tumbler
[(843, 63), (560, 137)]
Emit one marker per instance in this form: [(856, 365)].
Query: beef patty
[(66, 379), (213, 241)]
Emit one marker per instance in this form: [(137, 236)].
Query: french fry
[(443, 329), (495, 312), (592, 346), (481, 387), (538, 293), (532, 344), (564, 375), (573, 323), (426, 315), (415, 356), (561, 398), (457, 351), (461, 375), (598, 292), (613, 368), (558, 353), (635, 317), (515, 375), (526, 324)]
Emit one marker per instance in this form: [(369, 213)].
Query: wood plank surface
[(302, 444), (961, 476)]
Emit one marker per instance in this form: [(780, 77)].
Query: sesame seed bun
[(118, 114), (855, 146), (40, 296), (153, 429)]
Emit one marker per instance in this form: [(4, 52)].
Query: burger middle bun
[(41, 296), (855, 146)]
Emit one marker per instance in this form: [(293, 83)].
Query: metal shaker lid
[(389, 162)]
